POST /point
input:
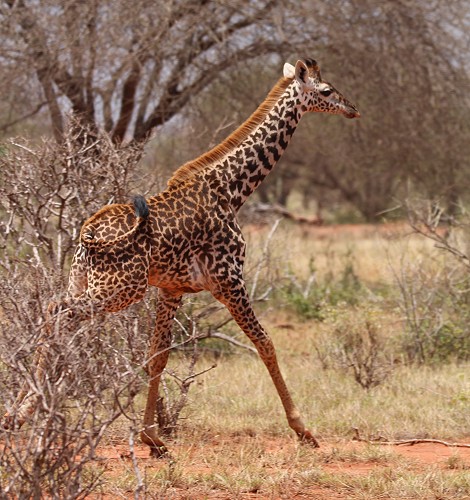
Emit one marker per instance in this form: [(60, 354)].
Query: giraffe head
[(315, 94)]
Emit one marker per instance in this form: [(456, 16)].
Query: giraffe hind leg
[(157, 359)]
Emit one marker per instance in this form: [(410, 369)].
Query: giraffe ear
[(289, 70), (301, 72)]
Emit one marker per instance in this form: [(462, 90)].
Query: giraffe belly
[(190, 281)]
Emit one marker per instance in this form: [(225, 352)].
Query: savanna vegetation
[(102, 100)]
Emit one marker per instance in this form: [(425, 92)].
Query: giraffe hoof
[(157, 447), (308, 438), (159, 452), (11, 423)]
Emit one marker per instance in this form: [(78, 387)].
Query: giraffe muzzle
[(351, 112)]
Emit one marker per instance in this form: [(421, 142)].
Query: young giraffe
[(187, 239)]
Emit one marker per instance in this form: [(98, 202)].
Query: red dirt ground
[(420, 457), (422, 453)]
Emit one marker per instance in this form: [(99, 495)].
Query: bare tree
[(407, 60), (130, 66)]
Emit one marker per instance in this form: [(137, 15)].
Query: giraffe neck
[(248, 164), (241, 162)]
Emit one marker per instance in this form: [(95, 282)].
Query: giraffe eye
[(326, 92)]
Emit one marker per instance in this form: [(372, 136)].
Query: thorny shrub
[(360, 347), (435, 296), (93, 374), (435, 303), (47, 190), (356, 342)]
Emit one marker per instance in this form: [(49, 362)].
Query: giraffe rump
[(99, 234)]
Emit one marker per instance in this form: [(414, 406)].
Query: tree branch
[(174, 100), (12, 123), (127, 101), (230, 340)]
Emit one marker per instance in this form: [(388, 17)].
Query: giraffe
[(186, 239)]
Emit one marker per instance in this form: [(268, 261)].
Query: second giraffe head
[(317, 95)]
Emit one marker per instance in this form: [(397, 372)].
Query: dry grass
[(262, 467), (233, 441), (415, 401), (374, 249)]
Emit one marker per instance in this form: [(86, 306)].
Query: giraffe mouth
[(348, 109), (351, 112)]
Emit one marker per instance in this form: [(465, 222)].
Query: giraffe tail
[(88, 238), (141, 207)]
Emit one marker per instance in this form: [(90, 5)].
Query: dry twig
[(406, 442)]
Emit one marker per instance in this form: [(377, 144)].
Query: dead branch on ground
[(405, 442)]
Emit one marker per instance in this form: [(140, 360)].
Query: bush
[(435, 304), (93, 373), (311, 300), (361, 348)]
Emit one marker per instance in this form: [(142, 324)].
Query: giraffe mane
[(193, 167)]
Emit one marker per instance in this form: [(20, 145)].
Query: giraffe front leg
[(26, 399), (62, 318), (158, 357), (238, 303)]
